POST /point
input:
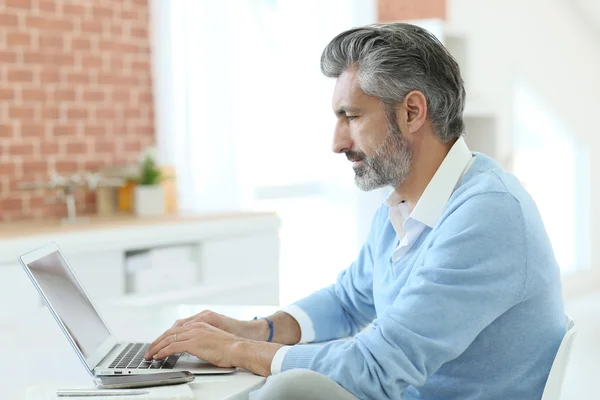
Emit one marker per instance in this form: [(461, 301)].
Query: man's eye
[(351, 117)]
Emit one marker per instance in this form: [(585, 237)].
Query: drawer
[(240, 259)]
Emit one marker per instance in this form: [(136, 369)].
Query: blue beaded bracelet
[(272, 329)]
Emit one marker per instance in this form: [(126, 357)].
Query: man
[(456, 293)]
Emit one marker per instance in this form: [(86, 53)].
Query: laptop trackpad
[(190, 361)]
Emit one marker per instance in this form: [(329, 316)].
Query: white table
[(35, 352)]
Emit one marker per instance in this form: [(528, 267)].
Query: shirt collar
[(431, 205)]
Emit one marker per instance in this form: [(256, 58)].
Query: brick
[(49, 148), (94, 130), (49, 75), (24, 149), (77, 113), (64, 130), (93, 96), (18, 39), (140, 66), (102, 146), (66, 166), (102, 11), (116, 30), (8, 168), (121, 96), (145, 97), (76, 148), (110, 46), (21, 112), (32, 167), (91, 61), (117, 79), (91, 27), (76, 10), (29, 129), (64, 95), (7, 93), (34, 57), (81, 44), (51, 41), (60, 59), (141, 33), (33, 95), (132, 14), (11, 203), (93, 165), (18, 3), (8, 20), (7, 56), (105, 113), (78, 78), (7, 131), (47, 5), (38, 201), (49, 24), (134, 145), (132, 113), (50, 112), (20, 75)]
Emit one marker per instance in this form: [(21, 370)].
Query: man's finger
[(173, 348), (164, 340), (201, 316), (168, 332)]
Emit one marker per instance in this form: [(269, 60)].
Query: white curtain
[(245, 115)]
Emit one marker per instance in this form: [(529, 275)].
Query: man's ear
[(414, 110)]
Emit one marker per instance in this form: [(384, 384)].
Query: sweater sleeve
[(473, 272), (347, 306)]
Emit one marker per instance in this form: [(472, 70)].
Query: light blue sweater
[(472, 311)]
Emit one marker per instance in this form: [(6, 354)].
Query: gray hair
[(394, 59)]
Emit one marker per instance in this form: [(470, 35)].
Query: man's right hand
[(254, 330)]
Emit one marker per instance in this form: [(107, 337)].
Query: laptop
[(87, 332)]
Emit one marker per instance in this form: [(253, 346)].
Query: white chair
[(559, 366)]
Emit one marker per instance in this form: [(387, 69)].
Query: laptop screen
[(70, 302)]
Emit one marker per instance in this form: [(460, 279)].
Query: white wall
[(546, 44)]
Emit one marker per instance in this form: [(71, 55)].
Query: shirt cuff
[(277, 362), (307, 331)]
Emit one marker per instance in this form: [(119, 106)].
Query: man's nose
[(341, 138)]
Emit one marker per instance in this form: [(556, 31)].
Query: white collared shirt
[(408, 225)]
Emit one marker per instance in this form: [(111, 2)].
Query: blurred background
[(216, 115)]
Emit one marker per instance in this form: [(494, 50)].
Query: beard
[(390, 164)]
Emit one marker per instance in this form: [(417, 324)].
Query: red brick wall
[(399, 10), (75, 94)]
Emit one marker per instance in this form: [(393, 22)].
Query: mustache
[(355, 155)]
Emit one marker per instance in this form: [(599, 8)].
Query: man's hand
[(216, 346), (253, 330)]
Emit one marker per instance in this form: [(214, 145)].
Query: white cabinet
[(16, 291), (216, 259)]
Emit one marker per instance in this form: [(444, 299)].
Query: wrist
[(240, 353), (254, 356), (259, 330)]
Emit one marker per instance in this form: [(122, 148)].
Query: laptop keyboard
[(132, 357)]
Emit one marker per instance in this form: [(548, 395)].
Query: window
[(257, 123), (553, 167)]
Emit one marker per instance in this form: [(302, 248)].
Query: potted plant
[(149, 196)]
